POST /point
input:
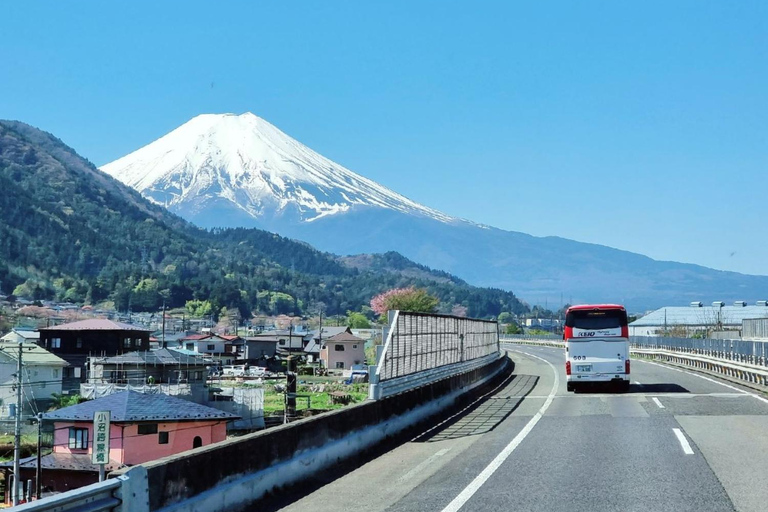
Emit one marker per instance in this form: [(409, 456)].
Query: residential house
[(313, 341), (143, 427), (342, 351), (162, 366), (286, 342), (41, 378), (213, 346), (75, 342), (17, 335)]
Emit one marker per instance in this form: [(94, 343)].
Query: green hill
[(70, 232)]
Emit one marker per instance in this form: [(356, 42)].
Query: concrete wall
[(237, 472)]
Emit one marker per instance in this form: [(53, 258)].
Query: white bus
[(596, 346)]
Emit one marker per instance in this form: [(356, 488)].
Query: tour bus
[(596, 346)]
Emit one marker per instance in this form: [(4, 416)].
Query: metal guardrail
[(738, 364), (126, 493), (751, 352)]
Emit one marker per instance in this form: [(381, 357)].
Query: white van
[(596, 346)]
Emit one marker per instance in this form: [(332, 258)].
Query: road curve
[(676, 441)]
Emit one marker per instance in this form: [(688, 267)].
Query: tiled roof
[(95, 324), (130, 406), (163, 356), (32, 355), (68, 461), (345, 336), (196, 337)]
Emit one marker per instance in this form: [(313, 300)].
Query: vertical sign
[(100, 453)]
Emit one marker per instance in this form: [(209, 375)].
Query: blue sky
[(638, 125)]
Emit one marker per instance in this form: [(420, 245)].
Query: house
[(143, 427), (42, 376), (162, 366), (286, 342), (17, 335), (259, 349), (213, 346), (342, 351), (313, 341), (76, 341)]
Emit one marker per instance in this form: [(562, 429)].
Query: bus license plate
[(583, 367)]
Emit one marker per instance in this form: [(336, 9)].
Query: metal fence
[(418, 342), (755, 328), (752, 352)]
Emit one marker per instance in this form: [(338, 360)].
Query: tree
[(199, 308), (513, 328), (415, 300), (459, 310), (357, 320), (504, 317)]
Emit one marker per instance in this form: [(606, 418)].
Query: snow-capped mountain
[(243, 166), (240, 171)]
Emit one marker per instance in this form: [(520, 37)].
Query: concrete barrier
[(236, 473)]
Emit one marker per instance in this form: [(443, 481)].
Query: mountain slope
[(240, 171), (245, 167), (70, 232)]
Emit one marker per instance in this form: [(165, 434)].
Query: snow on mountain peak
[(247, 164)]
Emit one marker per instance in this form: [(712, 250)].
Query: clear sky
[(639, 125)]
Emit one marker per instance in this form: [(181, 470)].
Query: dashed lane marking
[(683, 441), (657, 402)]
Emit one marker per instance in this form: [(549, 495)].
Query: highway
[(676, 441)]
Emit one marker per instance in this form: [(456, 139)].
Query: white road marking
[(480, 479), (418, 469), (683, 441), (753, 395), (637, 383), (657, 402), (632, 395)]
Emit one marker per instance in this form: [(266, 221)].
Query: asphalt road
[(677, 441)]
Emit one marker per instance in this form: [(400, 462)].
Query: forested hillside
[(70, 232)]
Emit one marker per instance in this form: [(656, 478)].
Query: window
[(190, 346), (197, 442), (282, 342), (354, 346), (77, 372), (340, 365), (198, 375), (162, 438), (137, 342), (147, 428), (211, 346), (79, 343), (338, 348), (78, 438), (127, 343), (55, 342), (55, 373)]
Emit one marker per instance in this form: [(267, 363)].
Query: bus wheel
[(570, 387)]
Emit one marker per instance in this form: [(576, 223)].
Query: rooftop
[(32, 355), (130, 406), (703, 315), (345, 336), (95, 324), (163, 356)]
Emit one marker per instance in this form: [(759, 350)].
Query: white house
[(41, 372), (17, 335)]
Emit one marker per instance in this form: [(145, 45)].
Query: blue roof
[(703, 316), (130, 406)]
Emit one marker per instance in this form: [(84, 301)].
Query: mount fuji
[(226, 170)]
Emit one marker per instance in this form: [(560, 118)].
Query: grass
[(274, 402)]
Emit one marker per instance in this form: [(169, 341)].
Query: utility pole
[(163, 345), (39, 472), (17, 432)]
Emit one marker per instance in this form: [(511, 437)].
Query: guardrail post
[(133, 491)]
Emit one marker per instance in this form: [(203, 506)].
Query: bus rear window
[(593, 320)]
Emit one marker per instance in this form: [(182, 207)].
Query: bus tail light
[(626, 366), (568, 367)]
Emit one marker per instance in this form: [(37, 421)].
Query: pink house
[(143, 427), (342, 351)]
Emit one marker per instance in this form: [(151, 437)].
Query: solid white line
[(765, 400), (683, 441), (480, 479), (657, 402), (418, 469)]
